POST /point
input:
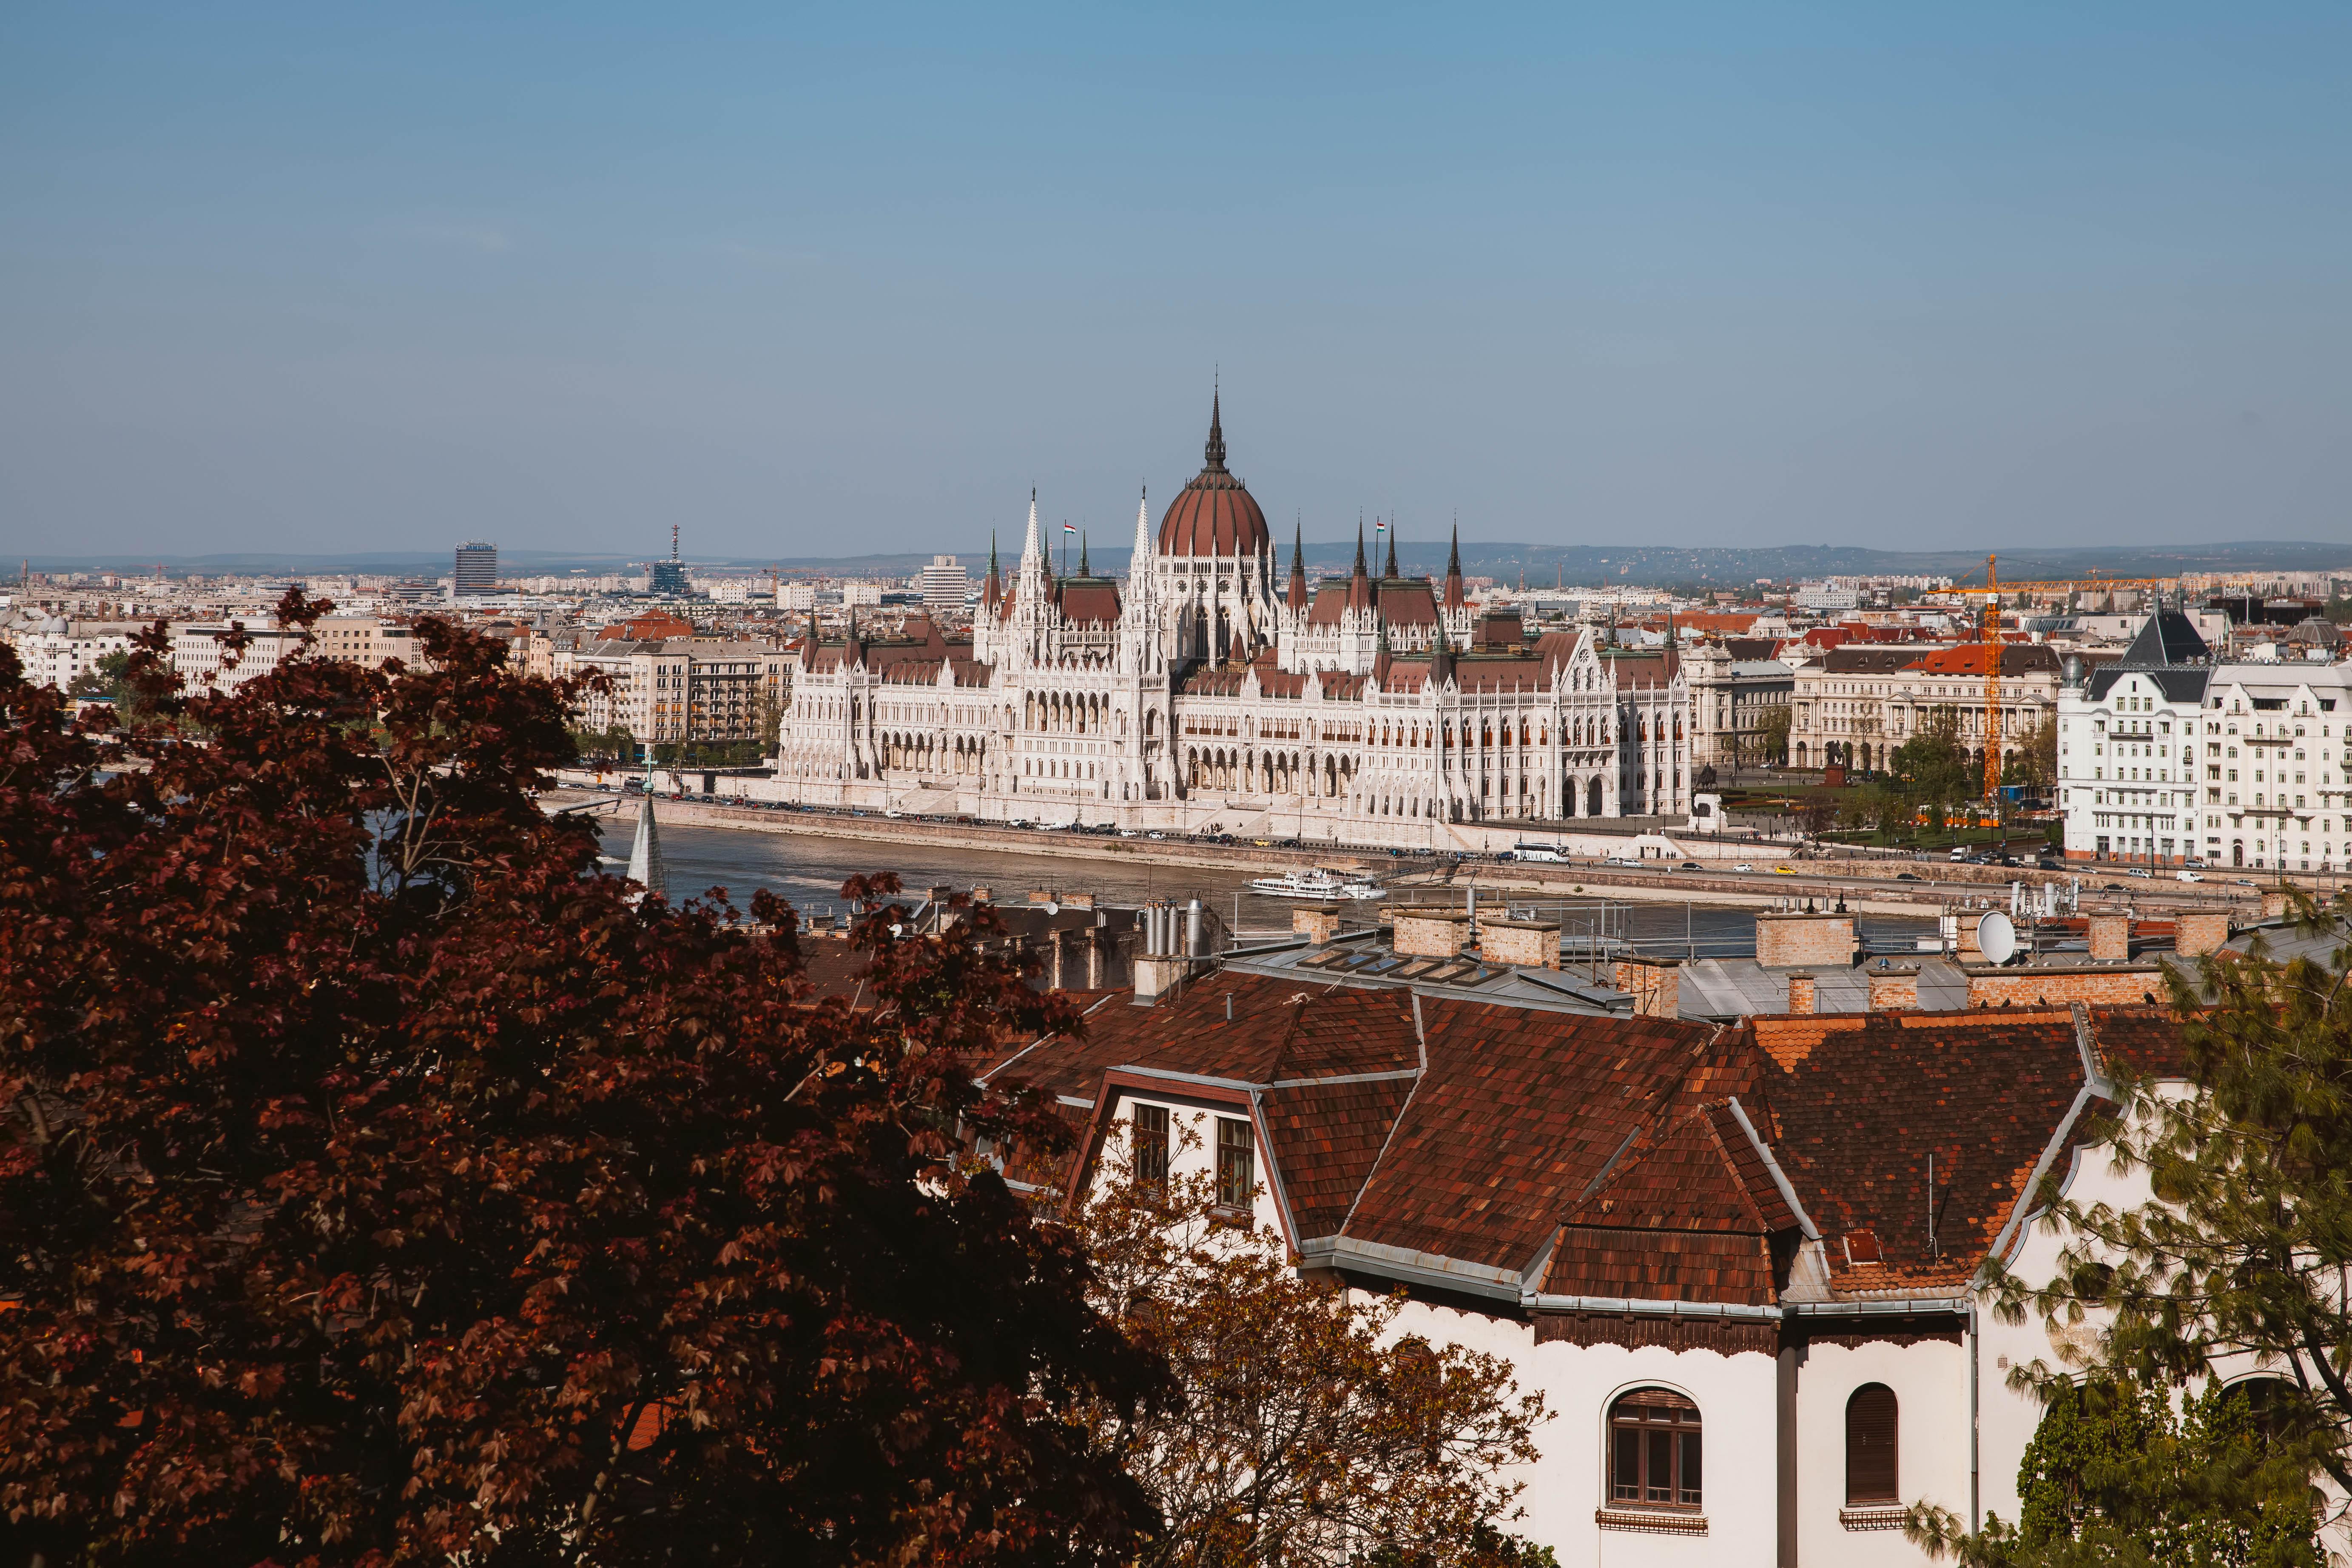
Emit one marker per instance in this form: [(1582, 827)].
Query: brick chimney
[(2200, 933), (2110, 936), (1429, 933), (2274, 904), (1801, 993), (1530, 944), (1655, 984), (1783, 937), (1895, 988), (1318, 923)]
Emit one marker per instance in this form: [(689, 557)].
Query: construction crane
[(1988, 632)]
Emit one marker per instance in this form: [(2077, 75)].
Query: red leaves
[(368, 1146)]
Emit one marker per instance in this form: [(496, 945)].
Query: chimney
[(2274, 904), (1318, 923), (1801, 993), (1655, 984), (1785, 937), (1894, 987), (2198, 932), (1530, 944), (1429, 934), (2110, 936)]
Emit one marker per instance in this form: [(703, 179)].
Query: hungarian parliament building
[(1208, 690)]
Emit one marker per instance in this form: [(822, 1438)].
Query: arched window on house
[(1654, 1450), (1871, 1477)]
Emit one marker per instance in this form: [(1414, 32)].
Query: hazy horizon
[(274, 279)]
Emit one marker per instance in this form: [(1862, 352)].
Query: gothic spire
[(1215, 453), (1139, 563), (1086, 566), (1297, 568), (1454, 598), (1359, 547), (1441, 660), (1392, 565)]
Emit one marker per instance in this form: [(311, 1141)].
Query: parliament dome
[(1213, 515)]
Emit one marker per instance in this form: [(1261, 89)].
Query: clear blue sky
[(336, 276)]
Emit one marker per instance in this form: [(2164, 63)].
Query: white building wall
[(1930, 1380)]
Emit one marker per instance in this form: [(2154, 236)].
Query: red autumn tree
[(380, 1184)]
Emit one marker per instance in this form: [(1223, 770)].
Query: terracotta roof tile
[(1860, 1113), (1520, 1110)]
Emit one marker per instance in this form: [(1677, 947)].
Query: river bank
[(1170, 865)]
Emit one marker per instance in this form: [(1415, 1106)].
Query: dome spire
[(1213, 453)]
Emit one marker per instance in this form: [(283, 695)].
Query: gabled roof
[(1865, 1102), (1678, 1221)]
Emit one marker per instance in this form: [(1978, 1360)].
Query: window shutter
[(1870, 1432)]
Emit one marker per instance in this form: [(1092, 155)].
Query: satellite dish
[(1996, 937)]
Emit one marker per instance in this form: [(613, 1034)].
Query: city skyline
[(301, 280)]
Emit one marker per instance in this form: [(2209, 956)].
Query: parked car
[(1744, 866), (2140, 871), (1912, 875), (1695, 866), (1790, 871), (2181, 876)]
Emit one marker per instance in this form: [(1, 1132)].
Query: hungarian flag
[(1069, 528)]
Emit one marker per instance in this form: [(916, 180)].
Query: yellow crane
[(1988, 632)]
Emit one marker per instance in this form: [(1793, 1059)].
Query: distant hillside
[(1587, 565)]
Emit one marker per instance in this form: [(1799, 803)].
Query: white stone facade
[(2169, 760), (1192, 693)]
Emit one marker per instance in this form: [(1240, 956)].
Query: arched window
[(1870, 1446), (1654, 1450)]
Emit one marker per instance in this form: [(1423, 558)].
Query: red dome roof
[(1213, 515)]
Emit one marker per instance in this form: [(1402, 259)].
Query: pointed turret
[(1139, 561), (1360, 582), (992, 587), (1454, 598), (646, 867), (1391, 570), (1085, 564), (852, 656), (1297, 568), (1030, 550), (1441, 659), (1213, 454)]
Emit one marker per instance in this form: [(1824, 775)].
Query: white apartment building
[(944, 581), (677, 690), (364, 640), (54, 650), (202, 661), (2169, 759)]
